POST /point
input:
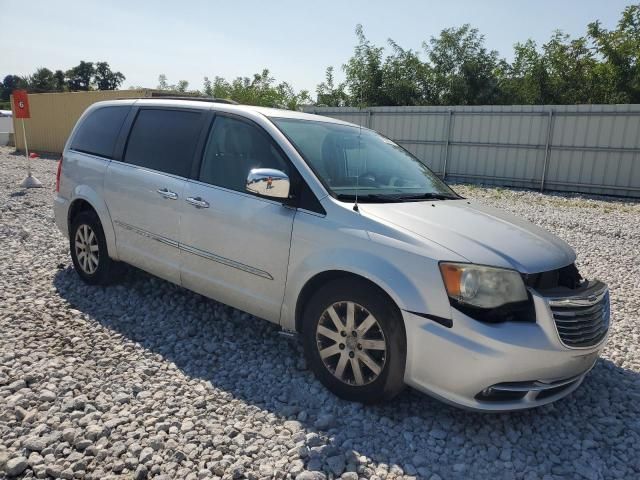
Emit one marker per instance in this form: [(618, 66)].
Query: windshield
[(349, 159)]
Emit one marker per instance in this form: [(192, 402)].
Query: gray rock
[(94, 432), (336, 464), (145, 455), (438, 434), (15, 466), (293, 426), (69, 435), (35, 444), (54, 471), (410, 469), (313, 440), (47, 396), (505, 455), (140, 473), (82, 443), (349, 476), (311, 475), (18, 384), (325, 422)]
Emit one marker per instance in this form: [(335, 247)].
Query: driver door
[(234, 244)]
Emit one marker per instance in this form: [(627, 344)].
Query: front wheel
[(355, 342)]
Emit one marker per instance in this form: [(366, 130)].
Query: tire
[(86, 225), (375, 383)]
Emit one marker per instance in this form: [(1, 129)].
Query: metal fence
[(578, 148)]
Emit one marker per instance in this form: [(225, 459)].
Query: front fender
[(411, 280)]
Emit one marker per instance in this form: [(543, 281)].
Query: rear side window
[(164, 140), (98, 132)]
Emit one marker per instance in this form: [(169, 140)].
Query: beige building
[(53, 116)]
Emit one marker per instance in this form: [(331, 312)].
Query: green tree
[(181, 86), (406, 79), (105, 78), (11, 83), (619, 71), (41, 81), (221, 88), (330, 95), (60, 81), (571, 68), (288, 98), (80, 77), (464, 72), (260, 90), (162, 82), (526, 80), (364, 74), (208, 87)]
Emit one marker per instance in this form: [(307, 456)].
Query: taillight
[(58, 174)]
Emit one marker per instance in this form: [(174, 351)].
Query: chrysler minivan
[(340, 235)]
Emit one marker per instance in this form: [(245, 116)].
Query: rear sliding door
[(144, 191)]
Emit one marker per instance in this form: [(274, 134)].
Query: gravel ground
[(145, 379)]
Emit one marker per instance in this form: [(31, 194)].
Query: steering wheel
[(367, 179)]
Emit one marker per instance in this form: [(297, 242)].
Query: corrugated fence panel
[(581, 148)]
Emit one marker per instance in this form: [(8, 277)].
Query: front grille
[(568, 277), (582, 321)]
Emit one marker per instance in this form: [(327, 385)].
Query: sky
[(296, 40)]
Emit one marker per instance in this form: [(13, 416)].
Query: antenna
[(355, 205)]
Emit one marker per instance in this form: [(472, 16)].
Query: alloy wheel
[(87, 249), (351, 343)]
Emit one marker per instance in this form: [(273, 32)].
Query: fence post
[(547, 149), (446, 145), (368, 118)]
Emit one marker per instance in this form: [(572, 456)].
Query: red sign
[(21, 104)]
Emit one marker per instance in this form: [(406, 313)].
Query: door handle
[(167, 193), (198, 202)]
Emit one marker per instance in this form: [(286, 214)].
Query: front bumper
[(502, 366)]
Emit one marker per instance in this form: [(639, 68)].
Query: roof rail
[(197, 99)]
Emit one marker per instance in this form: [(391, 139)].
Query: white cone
[(31, 182)]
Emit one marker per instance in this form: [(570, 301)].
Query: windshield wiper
[(366, 197), (429, 196), (396, 197)]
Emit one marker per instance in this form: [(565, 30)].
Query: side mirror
[(268, 182)]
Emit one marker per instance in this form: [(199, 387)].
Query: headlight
[(482, 287)]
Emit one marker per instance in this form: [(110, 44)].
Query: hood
[(483, 235)]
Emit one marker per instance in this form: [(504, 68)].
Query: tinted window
[(98, 132), (164, 140), (235, 147)]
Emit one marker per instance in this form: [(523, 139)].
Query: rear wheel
[(355, 341), (89, 249)]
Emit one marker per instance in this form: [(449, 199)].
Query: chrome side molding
[(196, 251)]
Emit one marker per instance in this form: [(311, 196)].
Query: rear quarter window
[(99, 130), (164, 140)]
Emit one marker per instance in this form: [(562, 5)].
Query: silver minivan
[(339, 234)]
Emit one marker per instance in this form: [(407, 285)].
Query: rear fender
[(86, 193)]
